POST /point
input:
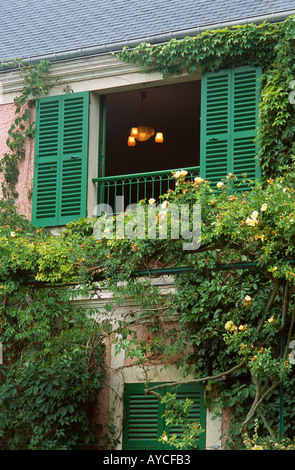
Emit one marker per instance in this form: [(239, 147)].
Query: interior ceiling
[(170, 108)]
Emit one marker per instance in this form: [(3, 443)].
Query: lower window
[(144, 423)]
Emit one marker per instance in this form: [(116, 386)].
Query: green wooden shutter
[(61, 155), (246, 87), (229, 119), (143, 424), (143, 416)]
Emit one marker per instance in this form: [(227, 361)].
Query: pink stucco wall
[(26, 167)]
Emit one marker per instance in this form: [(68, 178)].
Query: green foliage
[(177, 414), (52, 352), (268, 443), (230, 321), (52, 370)]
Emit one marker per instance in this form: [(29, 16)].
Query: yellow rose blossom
[(180, 174), (164, 436), (229, 326), (243, 327), (198, 180), (254, 215), (162, 215), (248, 299), (251, 222)]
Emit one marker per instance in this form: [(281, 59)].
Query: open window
[(222, 142), (143, 171), (173, 110)]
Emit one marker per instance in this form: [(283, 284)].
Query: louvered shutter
[(246, 86), (195, 393), (143, 424), (229, 120), (143, 416), (61, 154)]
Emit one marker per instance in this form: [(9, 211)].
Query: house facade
[(80, 159)]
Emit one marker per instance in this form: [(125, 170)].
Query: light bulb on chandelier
[(143, 133), (131, 141), (159, 138)]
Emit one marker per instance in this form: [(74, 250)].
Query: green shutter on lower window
[(143, 424), (143, 415), (229, 120), (61, 156)]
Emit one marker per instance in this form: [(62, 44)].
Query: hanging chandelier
[(143, 133)]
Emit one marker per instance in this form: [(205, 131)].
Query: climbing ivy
[(35, 83)]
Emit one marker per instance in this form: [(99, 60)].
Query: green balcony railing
[(136, 187)]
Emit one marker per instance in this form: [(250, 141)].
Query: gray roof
[(38, 28)]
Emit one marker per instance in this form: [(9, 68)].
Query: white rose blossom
[(179, 174), (252, 220), (198, 180), (162, 215)]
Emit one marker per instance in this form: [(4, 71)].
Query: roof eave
[(156, 39)]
